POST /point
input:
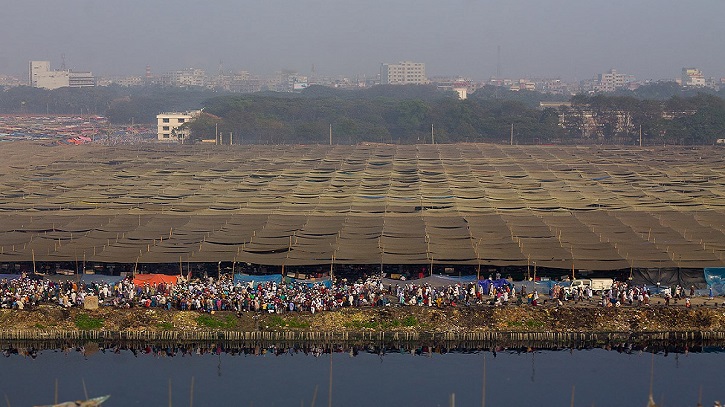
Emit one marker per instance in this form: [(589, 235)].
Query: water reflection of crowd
[(164, 350)]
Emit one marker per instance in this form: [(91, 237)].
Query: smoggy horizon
[(570, 40)]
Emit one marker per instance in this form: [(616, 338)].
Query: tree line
[(486, 116), (666, 113)]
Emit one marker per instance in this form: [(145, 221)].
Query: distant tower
[(62, 62), (498, 62), (148, 74)]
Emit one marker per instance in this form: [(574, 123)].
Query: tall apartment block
[(403, 73), (612, 80)]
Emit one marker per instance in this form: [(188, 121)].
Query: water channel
[(417, 375)]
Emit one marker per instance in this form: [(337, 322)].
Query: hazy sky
[(571, 39)]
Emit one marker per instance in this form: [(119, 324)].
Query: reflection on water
[(278, 375)]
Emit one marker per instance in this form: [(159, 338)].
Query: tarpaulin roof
[(472, 204), (154, 279)]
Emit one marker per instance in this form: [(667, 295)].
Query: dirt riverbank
[(704, 316)]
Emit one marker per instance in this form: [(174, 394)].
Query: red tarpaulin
[(154, 279)]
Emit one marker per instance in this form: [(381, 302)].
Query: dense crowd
[(622, 293), (225, 294)]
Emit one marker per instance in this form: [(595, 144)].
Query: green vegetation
[(86, 322), (529, 324), (666, 112), (167, 326), (121, 105), (698, 119), (208, 321), (410, 321)]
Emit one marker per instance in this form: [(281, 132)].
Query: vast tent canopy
[(596, 208)]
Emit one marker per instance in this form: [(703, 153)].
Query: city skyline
[(573, 41)]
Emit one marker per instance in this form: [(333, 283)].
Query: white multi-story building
[(403, 73), (41, 76), (168, 125), (612, 80), (692, 77)]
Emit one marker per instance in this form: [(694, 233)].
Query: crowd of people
[(623, 293), (224, 294)]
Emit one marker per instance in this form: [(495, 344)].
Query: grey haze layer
[(557, 38)]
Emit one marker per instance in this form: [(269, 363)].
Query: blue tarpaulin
[(486, 284), (245, 278), (715, 279)]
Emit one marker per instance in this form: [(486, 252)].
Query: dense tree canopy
[(120, 104), (401, 114), (306, 118)]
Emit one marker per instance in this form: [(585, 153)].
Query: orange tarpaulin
[(154, 279)]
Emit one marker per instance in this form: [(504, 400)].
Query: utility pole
[(512, 134), (330, 133), (216, 133), (432, 135), (640, 135)]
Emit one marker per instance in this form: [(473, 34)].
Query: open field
[(583, 208)]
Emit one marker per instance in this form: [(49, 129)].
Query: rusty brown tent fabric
[(595, 208)]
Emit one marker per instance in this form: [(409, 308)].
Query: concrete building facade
[(612, 80), (403, 73), (692, 77), (185, 77), (168, 125), (41, 76)]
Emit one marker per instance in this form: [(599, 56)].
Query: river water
[(401, 378)]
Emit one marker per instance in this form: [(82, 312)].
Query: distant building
[(523, 84), (41, 76), (129, 81), (554, 104), (611, 81), (459, 85), (241, 82), (290, 81), (168, 125), (403, 73), (8, 81), (184, 77), (692, 77)]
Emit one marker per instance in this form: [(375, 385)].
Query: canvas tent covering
[(584, 208)]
